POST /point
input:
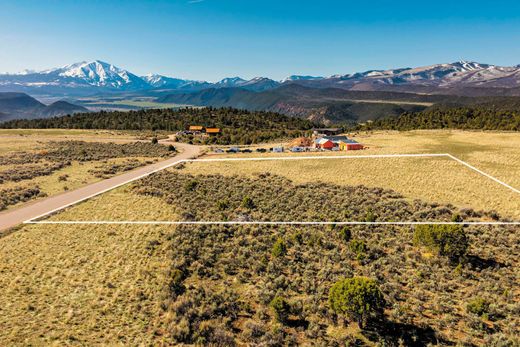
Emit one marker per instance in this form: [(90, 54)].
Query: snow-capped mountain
[(293, 78), (101, 74), (99, 77), (230, 82), (159, 81), (84, 75)]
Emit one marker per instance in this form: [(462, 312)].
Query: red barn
[(324, 143)]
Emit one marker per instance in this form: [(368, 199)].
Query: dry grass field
[(497, 153), (431, 179), (39, 163), (82, 285), (114, 284), (86, 285), (16, 140)]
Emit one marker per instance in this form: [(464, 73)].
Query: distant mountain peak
[(300, 78)]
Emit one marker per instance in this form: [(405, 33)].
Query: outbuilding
[(349, 145), (212, 131), (324, 143)]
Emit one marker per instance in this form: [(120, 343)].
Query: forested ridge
[(471, 118), (238, 126)]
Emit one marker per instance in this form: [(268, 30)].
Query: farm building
[(341, 143), (350, 145), (196, 128), (324, 143), (212, 131)]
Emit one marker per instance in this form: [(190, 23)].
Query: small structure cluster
[(336, 143), (200, 130)]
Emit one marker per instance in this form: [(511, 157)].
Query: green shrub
[(478, 306), (358, 298), (248, 203), (359, 248), (279, 248), (370, 216), (345, 234), (281, 308), (223, 205), (445, 240), (191, 185), (456, 218), (176, 284)]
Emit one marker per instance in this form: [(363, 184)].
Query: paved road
[(11, 218)]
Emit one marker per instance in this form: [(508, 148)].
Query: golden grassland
[(439, 180), (82, 285), (496, 153), (15, 140), (431, 179), (120, 204), (78, 173), (86, 284)]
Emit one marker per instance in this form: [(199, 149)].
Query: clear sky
[(212, 39)]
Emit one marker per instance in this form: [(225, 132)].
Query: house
[(194, 128), (324, 143), (212, 131)]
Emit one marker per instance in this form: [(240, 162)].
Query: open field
[(432, 179), (86, 285), (105, 284), (437, 179), (496, 153), (48, 162), (15, 140)]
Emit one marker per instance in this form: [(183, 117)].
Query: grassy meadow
[(431, 179), (38, 163), (82, 285), (120, 284)]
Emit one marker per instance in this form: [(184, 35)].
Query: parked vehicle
[(261, 150), (297, 149), (233, 150), (218, 150), (247, 150), (278, 149)]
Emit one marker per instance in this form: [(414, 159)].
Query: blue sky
[(212, 39)]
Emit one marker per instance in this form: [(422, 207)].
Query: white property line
[(267, 223), (34, 220)]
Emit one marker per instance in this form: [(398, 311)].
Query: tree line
[(481, 117), (238, 126)]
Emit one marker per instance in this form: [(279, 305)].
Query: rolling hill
[(20, 105), (327, 105)]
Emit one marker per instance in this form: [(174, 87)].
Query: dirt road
[(11, 218)]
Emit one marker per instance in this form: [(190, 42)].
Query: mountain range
[(88, 78)]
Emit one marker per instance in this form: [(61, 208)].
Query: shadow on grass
[(478, 264), (397, 334)]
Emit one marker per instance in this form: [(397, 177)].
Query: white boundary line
[(266, 223), (34, 220)]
